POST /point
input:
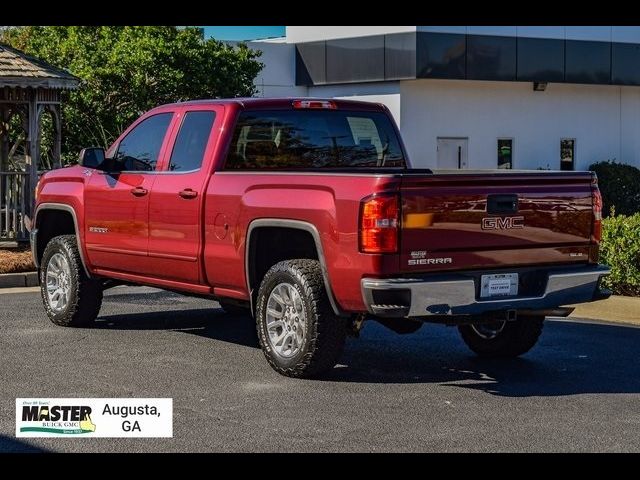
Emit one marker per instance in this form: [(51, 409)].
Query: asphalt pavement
[(577, 390)]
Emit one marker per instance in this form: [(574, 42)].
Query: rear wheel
[(298, 331), (501, 338), (70, 297)]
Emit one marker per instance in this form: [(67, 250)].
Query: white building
[(477, 97)]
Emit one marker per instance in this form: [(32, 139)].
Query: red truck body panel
[(329, 202), (554, 218), (197, 243)]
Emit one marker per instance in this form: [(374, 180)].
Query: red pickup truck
[(307, 214)]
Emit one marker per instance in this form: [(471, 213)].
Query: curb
[(25, 279), (614, 309)]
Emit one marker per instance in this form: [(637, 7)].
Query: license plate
[(499, 285)]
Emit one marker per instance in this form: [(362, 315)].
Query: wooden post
[(4, 137), (56, 113), (33, 150)]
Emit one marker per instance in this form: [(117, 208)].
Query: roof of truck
[(281, 102)]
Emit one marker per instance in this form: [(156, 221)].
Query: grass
[(16, 260)]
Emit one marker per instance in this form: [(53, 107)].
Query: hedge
[(620, 187), (620, 249)]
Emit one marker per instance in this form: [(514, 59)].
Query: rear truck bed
[(476, 243)]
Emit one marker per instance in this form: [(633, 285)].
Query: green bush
[(620, 187), (620, 249), (127, 70)]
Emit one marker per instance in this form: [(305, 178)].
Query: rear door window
[(311, 139), (191, 141)]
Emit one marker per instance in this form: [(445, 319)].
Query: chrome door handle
[(188, 193), (139, 191)]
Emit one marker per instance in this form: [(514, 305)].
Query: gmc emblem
[(502, 223)]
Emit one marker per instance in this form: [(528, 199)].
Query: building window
[(567, 153), (505, 153)]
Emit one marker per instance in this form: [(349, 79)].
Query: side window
[(191, 141), (139, 150)]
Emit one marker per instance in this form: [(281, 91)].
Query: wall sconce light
[(539, 86)]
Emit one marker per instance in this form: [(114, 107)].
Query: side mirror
[(91, 157)]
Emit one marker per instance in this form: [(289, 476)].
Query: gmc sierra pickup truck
[(307, 215)]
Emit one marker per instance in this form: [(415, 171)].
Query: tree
[(125, 71)]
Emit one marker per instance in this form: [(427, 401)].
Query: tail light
[(596, 197), (379, 224)]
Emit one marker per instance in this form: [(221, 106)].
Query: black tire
[(85, 297), (516, 338), (325, 332), (233, 309)]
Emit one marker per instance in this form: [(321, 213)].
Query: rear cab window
[(313, 139)]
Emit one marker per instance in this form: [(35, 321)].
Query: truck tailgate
[(493, 220)]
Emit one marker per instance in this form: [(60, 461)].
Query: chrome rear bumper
[(456, 294)]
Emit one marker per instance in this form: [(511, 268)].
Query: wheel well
[(270, 245), (51, 223)]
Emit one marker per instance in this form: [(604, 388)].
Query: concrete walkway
[(615, 309), (9, 291)]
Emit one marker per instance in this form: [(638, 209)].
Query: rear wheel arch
[(52, 220), (307, 242)]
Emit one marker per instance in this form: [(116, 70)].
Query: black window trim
[(317, 170), (560, 45), (133, 127), (166, 171)]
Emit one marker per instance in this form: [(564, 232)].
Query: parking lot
[(577, 390)]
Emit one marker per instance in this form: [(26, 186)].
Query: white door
[(452, 152)]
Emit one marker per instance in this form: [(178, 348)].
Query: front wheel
[(501, 338), (298, 331), (71, 299)]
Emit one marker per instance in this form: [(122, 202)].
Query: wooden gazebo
[(28, 88)]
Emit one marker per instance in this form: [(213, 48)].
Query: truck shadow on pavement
[(13, 445), (570, 358), (206, 322)]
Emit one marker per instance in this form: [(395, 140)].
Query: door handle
[(188, 193), (139, 191)]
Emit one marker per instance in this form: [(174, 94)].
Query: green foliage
[(620, 249), (619, 185), (128, 70)]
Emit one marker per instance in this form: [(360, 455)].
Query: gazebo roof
[(17, 69)]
